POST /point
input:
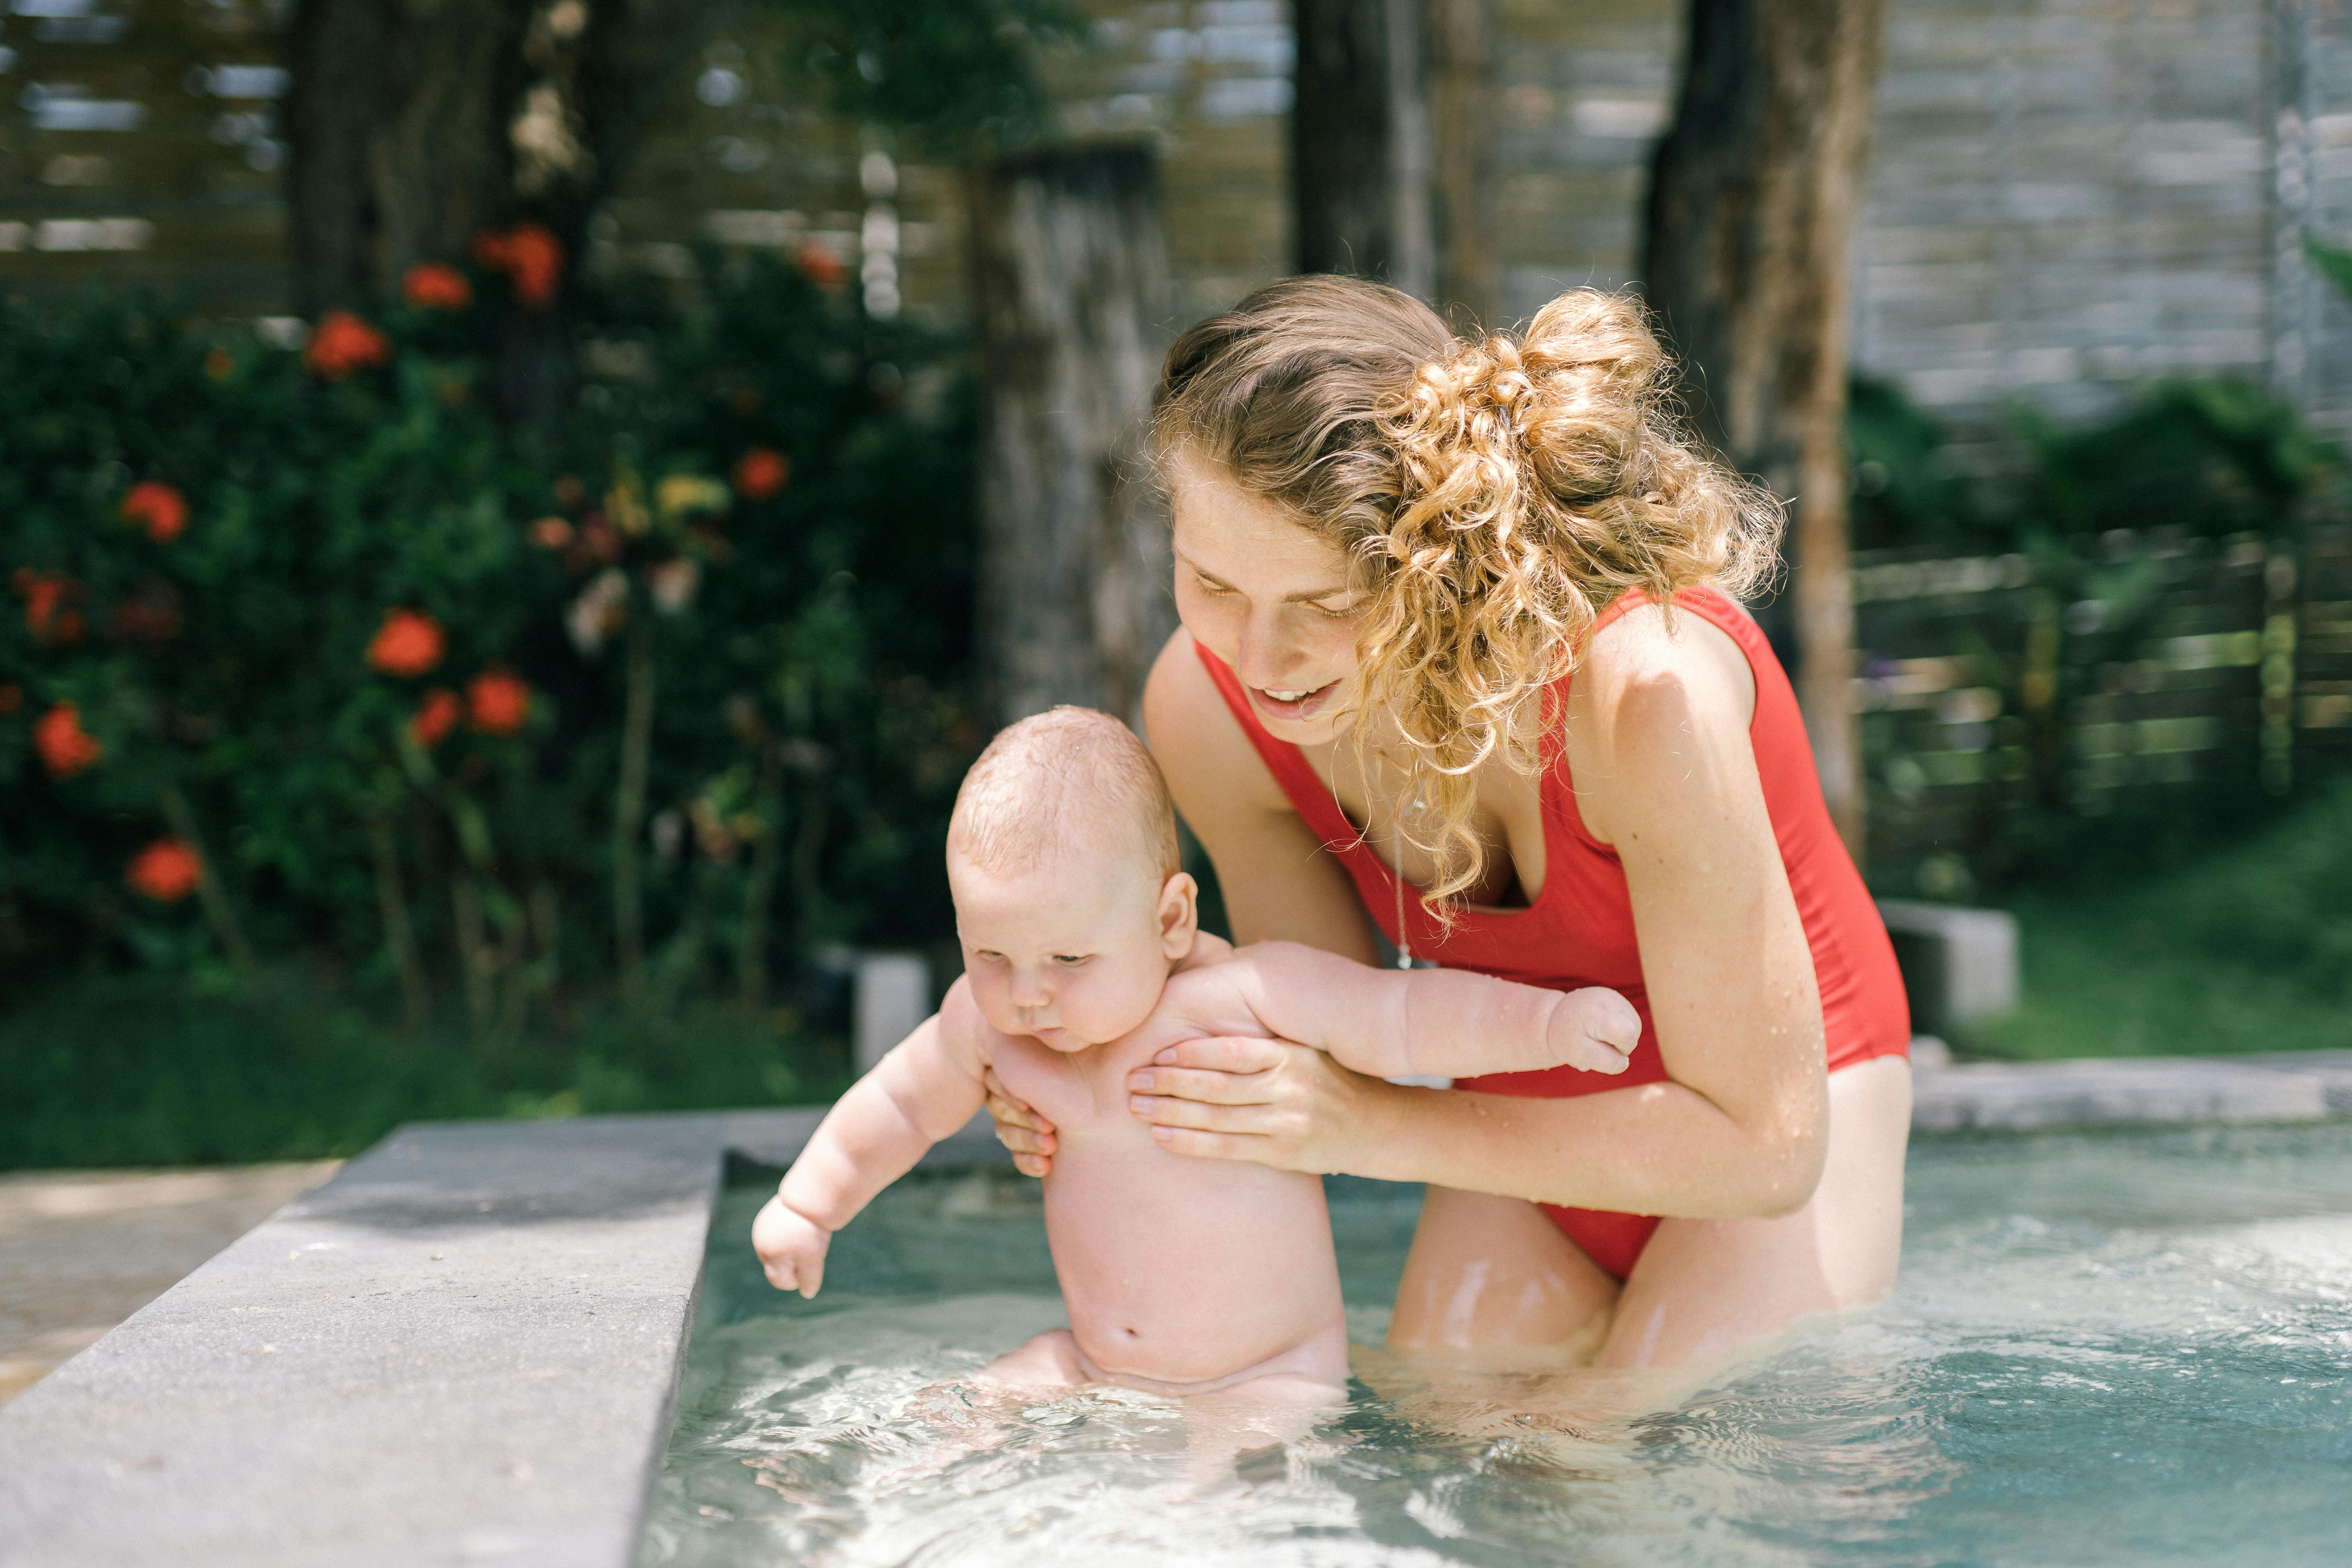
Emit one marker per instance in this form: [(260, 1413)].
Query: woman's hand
[(1028, 1135), (1270, 1101)]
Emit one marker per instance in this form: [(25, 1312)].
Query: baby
[(1182, 1277)]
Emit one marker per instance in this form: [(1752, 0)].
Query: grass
[(2251, 950), (146, 1071)]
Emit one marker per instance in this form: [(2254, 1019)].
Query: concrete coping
[(465, 1348)]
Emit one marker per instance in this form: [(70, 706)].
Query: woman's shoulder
[(1655, 693), (1651, 664)]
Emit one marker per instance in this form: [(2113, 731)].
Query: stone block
[(2016, 1097), (894, 994), (1959, 964)]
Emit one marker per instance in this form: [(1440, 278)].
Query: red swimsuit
[(1580, 929)]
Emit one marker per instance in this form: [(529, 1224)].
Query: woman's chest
[(1507, 818)]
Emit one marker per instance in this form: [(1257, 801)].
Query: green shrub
[(449, 707)]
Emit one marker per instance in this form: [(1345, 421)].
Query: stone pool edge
[(466, 1347), (463, 1349)]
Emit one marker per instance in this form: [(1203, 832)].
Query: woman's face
[(1269, 598)]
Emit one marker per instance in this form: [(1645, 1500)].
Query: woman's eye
[(1335, 612), (1208, 587)]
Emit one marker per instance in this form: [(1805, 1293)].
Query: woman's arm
[(1666, 774)]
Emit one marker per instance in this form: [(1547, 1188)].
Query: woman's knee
[(1489, 1272)]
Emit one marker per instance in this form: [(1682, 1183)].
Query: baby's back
[(1174, 1267)]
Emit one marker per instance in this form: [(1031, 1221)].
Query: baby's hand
[(1595, 1029), (791, 1246)]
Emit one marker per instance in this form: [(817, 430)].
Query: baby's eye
[(1071, 959)]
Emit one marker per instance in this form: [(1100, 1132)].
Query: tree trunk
[(415, 124), (1360, 142), (1462, 117), (1750, 235), (1070, 289)]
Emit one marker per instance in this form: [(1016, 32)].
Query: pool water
[(2105, 1349)]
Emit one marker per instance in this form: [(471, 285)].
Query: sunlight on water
[(2105, 1350)]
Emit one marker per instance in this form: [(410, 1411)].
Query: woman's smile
[(1292, 705)]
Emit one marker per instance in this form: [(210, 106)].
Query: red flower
[(822, 266), (48, 599), (12, 697), (436, 286), (66, 748), (220, 364), (158, 508), (550, 534), (408, 643), (435, 717), (166, 870), (341, 343), (529, 256), (761, 472), (497, 703)]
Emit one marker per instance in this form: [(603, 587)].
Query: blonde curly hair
[(1492, 496)]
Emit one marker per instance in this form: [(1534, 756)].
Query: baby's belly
[(1184, 1270)]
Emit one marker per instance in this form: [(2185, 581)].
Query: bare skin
[(1782, 1184), (1184, 1277)]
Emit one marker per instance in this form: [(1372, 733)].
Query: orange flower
[(761, 472), (528, 255), (550, 534), (497, 703), (436, 286), (158, 508), (49, 597), (408, 643), (341, 343), (435, 717), (166, 870), (12, 697), (66, 748), (822, 266), (220, 364)]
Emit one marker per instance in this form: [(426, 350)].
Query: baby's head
[(1070, 900)]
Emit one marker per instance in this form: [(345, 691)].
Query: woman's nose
[(1267, 654)]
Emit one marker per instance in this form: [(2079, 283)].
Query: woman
[(1458, 656)]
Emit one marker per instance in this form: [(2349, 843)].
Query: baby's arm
[(927, 1088), (1391, 1022)]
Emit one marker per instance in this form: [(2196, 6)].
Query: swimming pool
[(2111, 1347)]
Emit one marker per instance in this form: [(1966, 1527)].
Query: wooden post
[(1360, 153), (1070, 286), (1460, 37), (1750, 236)]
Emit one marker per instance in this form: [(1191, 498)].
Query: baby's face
[(1073, 952)]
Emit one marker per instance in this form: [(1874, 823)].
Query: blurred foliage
[(2107, 545), (2207, 458), (960, 77), (139, 1069), (760, 506), (2248, 949)]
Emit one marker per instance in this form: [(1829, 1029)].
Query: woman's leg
[(1490, 1273), (1704, 1286)]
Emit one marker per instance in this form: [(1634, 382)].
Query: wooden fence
[(2155, 675)]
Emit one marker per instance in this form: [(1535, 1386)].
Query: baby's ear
[(1179, 914)]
